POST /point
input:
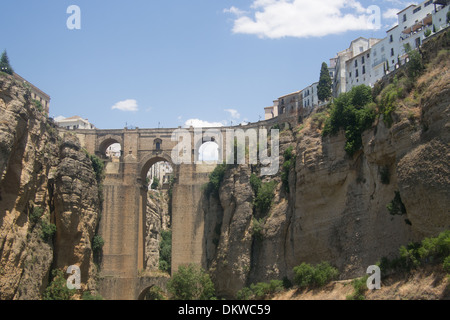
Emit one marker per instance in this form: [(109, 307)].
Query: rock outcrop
[(157, 220), (336, 207), (45, 180)]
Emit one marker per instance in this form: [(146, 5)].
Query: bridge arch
[(149, 160), (106, 141)]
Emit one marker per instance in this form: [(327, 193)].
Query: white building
[(349, 63), (272, 111), (74, 123), (367, 61), (310, 98)]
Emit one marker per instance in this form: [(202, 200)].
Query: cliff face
[(336, 207), (44, 181), (157, 220)]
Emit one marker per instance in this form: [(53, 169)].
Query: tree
[(4, 64), (155, 183), (324, 87), (191, 283)]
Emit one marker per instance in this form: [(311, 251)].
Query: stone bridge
[(122, 225)]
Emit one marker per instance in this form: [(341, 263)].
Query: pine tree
[(4, 64), (324, 87)]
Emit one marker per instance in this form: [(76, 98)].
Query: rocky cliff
[(157, 220), (46, 181), (335, 206)]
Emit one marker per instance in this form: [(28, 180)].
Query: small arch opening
[(111, 149), (209, 152)]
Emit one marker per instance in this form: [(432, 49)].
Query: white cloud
[(235, 11), (390, 14), (233, 113), (126, 105), (197, 123), (303, 18)]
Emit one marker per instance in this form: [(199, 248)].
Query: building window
[(428, 3), (391, 38), (392, 52), (404, 18), (350, 74), (364, 69), (362, 60), (356, 63), (356, 73), (417, 9)]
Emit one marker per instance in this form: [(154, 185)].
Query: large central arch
[(144, 166)]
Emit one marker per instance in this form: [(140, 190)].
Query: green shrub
[(354, 112), (260, 290), (429, 250), (97, 243), (38, 105), (155, 294), (415, 65), (165, 251), (396, 206), (215, 180), (306, 275), (88, 296), (255, 183), (57, 289), (155, 183), (289, 163), (264, 198), (191, 283), (427, 33), (360, 287), (47, 230), (257, 228), (36, 214), (446, 264), (98, 166)]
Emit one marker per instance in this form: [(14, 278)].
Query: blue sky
[(151, 63)]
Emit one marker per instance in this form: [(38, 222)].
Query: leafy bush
[(97, 243), (429, 250), (260, 290), (360, 286), (57, 290), (36, 214), (215, 180), (38, 105), (155, 294), (191, 283), (165, 251), (155, 183), (98, 166), (264, 198), (255, 183), (88, 296), (415, 65), (306, 275), (289, 162), (352, 111), (446, 264), (396, 206), (257, 228), (47, 230)]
